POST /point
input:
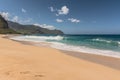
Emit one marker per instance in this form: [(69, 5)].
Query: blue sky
[(70, 16)]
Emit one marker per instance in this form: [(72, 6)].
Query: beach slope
[(26, 62)]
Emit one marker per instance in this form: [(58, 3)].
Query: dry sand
[(26, 62)]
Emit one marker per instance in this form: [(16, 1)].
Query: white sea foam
[(107, 41), (119, 42), (102, 40), (46, 37)]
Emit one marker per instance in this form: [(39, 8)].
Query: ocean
[(106, 45)]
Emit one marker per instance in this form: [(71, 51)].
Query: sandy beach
[(26, 62)]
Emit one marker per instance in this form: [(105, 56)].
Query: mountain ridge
[(7, 27)]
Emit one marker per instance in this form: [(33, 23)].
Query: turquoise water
[(106, 42), (108, 45)]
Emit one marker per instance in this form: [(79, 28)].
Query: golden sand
[(27, 62)]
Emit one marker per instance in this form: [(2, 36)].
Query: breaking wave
[(37, 38)]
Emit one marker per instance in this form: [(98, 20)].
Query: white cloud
[(50, 27), (74, 20), (59, 20), (15, 19), (28, 20), (63, 11), (23, 10), (5, 15), (57, 14), (21, 21), (51, 9)]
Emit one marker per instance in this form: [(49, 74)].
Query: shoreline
[(108, 61), (67, 47)]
